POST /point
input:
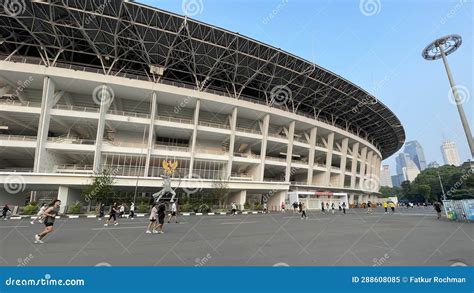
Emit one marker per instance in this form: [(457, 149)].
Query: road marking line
[(14, 226), (230, 223), (118, 228)]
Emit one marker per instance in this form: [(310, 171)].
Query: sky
[(376, 44)]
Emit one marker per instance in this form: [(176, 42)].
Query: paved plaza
[(410, 237)]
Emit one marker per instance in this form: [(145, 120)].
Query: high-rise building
[(433, 164), (385, 178), (415, 151), (397, 180), (406, 168), (450, 153)]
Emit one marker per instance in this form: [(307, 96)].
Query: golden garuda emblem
[(170, 167)]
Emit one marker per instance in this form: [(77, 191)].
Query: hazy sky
[(376, 44)]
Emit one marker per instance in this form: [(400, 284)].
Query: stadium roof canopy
[(127, 38)]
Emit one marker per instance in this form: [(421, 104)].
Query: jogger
[(49, 217), (114, 210)]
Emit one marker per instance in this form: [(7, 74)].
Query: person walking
[(132, 211), (121, 210), (161, 217), (300, 206), (283, 207), (303, 211), (49, 215), (153, 217), (392, 207), (322, 207), (385, 206), (5, 210), (39, 215), (174, 212), (101, 211), (344, 208), (233, 209), (340, 207), (265, 210), (327, 206), (332, 208), (295, 207), (437, 207), (114, 211)]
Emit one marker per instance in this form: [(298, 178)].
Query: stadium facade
[(88, 85)]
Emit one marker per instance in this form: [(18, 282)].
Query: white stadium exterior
[(91, 84)]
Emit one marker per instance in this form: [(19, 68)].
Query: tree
[(425, 191), (101, 185), (220, 191)]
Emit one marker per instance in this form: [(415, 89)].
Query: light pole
[(441, 48)]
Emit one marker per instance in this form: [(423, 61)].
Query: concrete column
[(151, 133), (233, 124), (263, 149), (193, 144), (239, 197), (330, 147), (68, 197), (368, 170), (104, 107), (355, 155), (363, 158), (289, 150), (275, 200), (47, 102), (312, 145), (345, 143), (351, 198)]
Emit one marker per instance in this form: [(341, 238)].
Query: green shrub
[(185, 207), (246, 205), (143, 207), (75, 208), (31, 209), (257, 206)]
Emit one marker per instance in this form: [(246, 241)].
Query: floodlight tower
[(441, 48)]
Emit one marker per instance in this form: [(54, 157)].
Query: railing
[(248, 130), (132, 114), (171, 148), (76, 108), (173, 119), (19, 170), (71, 140), (138, 76), (18, 103), (211, 151), (213, 124), (72, 168), (126, 144), (275, 159), (247, 155), (17, 137)]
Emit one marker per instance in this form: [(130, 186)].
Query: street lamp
[(441, 48)]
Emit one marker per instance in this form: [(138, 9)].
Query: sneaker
[(115, 224), (32, 222), (106, 224), (161, 232), (177, 222), (37, 238), (155, 232), (148, 232)]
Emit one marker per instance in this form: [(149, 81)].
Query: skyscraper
[(385, 178), (450, 153), (415, 151), (406, 168)]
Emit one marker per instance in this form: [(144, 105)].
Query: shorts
[(152, 220), (161, 220), (173, 214), (48, 224)]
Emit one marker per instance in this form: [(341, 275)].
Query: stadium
[(88, 85)]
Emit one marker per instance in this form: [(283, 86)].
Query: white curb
[(186, 214), (245, 213), (15, 218), (91, 216), (58, 217), (210, 214), (73, 217), (254, 213), (223, 213), (198, 214)]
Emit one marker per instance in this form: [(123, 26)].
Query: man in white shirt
[(174, 211)]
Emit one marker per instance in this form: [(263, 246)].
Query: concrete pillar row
[(355, 155), (343, 164), (193, 143), (289, 150), (312, 145), (239, 197), (104, 97), (151, 133), (233, 124), (263, 149), (330, 147), (47, 102)]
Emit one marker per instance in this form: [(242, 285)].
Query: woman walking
[(114, 210), (153, 217)]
